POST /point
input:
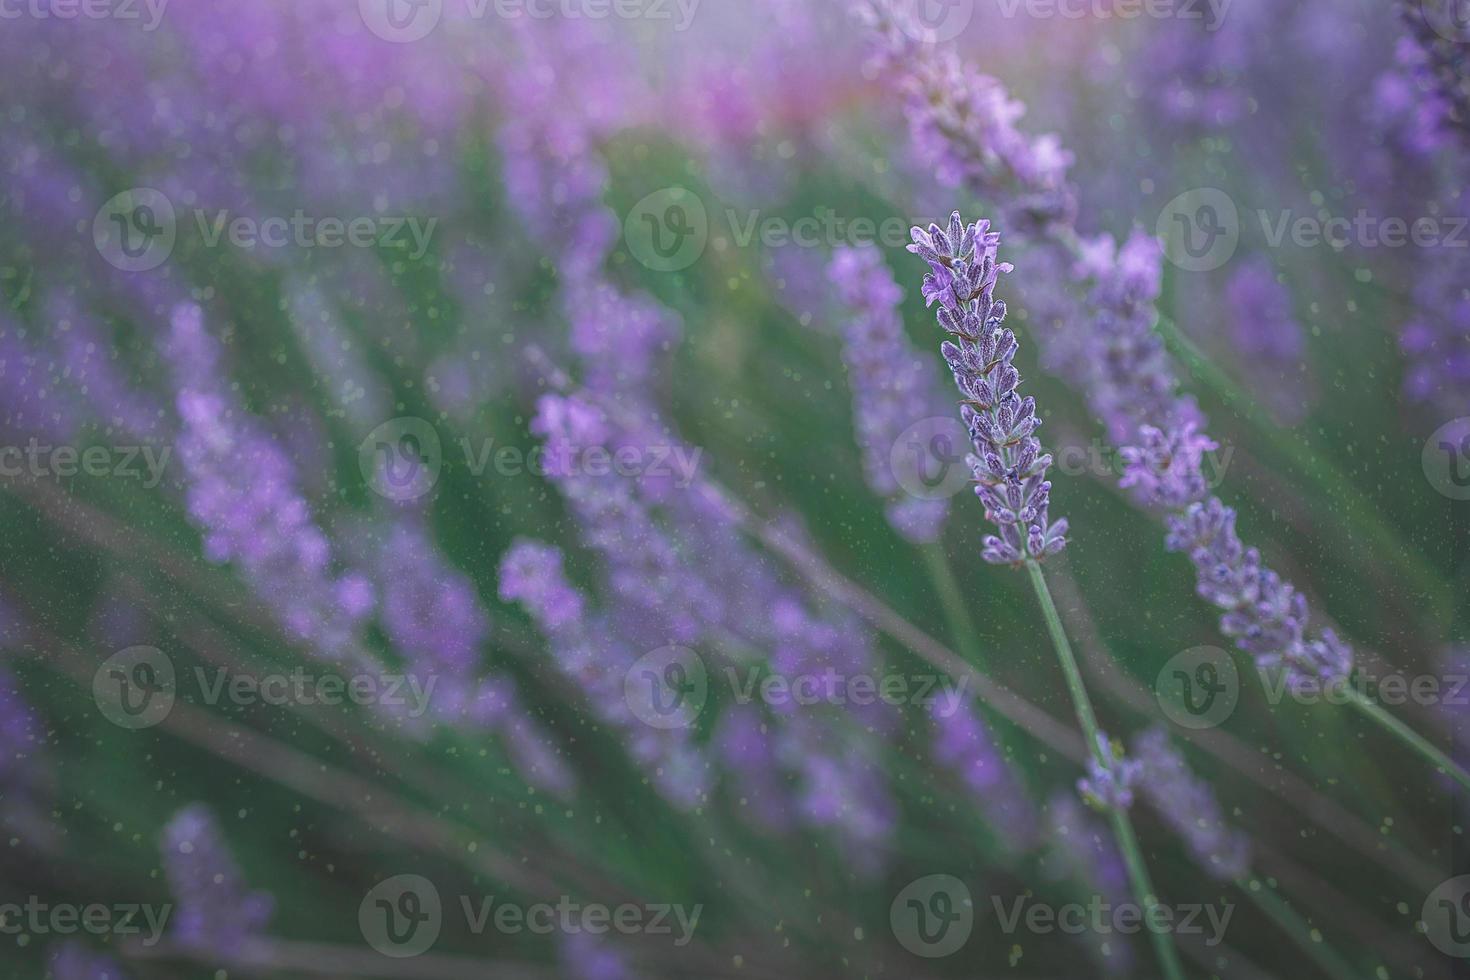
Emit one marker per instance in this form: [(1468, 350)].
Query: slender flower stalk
[(1010, 475)]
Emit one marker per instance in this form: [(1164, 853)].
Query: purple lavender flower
[(746, 745), (1436, 341), (591, 654), (1166, 469), (586, 957), (1267, 335), (963, 124), (217, 913), (1088, 852), (1190, 807), (242, 492), (72, 960), (1443, 65), (1110, 777), (1008, 464), (893, 386), (1266, 616), (963, 743)]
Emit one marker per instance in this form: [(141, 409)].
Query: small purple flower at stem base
[(1109, 783), (1008, 464)]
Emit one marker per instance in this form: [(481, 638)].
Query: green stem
[(1408, 736), (1355, 511), (956, 613), (1307, 938), (1138, 876)]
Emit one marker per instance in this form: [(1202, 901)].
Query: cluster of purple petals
[(1265, 615), (893, 385), (1189, 805), (242, 491), (596, 659), (676, 569), (1441, 65), (1193, 68), (745, 744), (963, 123), (72, 960), (566, 103), (1436, 341), (1111, 777), (216, 911), (961, 742), (432, 613), (586, 957), (1008, 464), (1268, 336), (1406, 110)]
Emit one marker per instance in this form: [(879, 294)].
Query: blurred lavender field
[(545, 488)]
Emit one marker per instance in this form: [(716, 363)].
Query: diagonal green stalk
[(956, 613), (1408, 736), (1308, 939), (1138, 876)]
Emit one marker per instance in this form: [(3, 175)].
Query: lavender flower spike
[(1008, 464), (217, 913), (1188, 804)]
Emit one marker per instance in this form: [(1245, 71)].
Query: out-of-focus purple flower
[(963, 743), (1436, 341), (1088, 852), (644, 563), (1008, 464), (586, 957), (1111, 776), (893, 385), (596, 659), (1166, 469), (1189, 805), (242, 492), (746, 746), (1268, 337), (1441, 64), (963, 123), (217, 913), (72, 960)]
